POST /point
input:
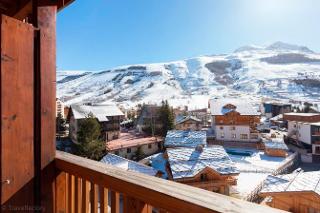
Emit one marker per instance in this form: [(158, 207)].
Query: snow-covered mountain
[(279, 71)]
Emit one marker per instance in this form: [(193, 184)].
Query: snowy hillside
[(278, 71)]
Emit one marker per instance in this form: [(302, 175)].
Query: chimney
[(199, 148)]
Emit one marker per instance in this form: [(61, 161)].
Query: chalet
[(134, 146), (129, 165), (208, 168), (297, 192), (185, 138), (234, 120), (275, 147), (202, 114), (60, 108), (272, 109), (304, 131), (35, 177), (108, 116), (189, 123), (149, 118)]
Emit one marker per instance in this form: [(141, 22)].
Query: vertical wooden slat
[(16, 92), (94, 198), (77, 191), (85, 196), (71, 197), (115, 202), (103, 192), (61, 192)]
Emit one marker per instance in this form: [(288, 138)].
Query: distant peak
[(289, 47), (248, 48)]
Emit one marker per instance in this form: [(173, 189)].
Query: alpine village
[(232, 155)]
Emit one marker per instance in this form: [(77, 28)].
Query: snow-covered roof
[(275, 143), (218, 107), (302, 114), (101, 112), (188, 162), (128, 165), (296, 182), (277, 117), (186, 118), (185, 138)]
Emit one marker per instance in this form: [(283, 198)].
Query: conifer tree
[(89, 143), (166, 117)]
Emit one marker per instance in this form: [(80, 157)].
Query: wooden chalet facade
[(234, 121), (210, 168), (189, 123), (37, 178), (297, 192)]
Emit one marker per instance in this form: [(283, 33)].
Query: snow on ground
[(253, 170)]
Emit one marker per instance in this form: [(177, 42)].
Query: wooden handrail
[(159, 193)]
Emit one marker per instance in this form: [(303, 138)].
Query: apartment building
[(60, 108), (234, 120), (304, 130), (272, 109)]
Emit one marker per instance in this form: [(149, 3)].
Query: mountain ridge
[(277, 71)]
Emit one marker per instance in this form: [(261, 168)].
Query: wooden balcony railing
[(84, 185)]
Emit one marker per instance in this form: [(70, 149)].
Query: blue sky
[(101, 34)]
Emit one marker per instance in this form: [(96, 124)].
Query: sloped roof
[(296, 182), (189, 117), (188, 162), (217, 107), (129, 140), (185, 138), (128, 165), (101, 112), (275, 143)]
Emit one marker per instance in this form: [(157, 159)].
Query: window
[(317, 150), (149, 146), (222, 134), (128, 150), (233, 136), (221, 127), (254, 136), (203, 177), (243, 136), (232, 128)]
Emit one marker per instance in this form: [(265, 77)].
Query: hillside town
[(267, 153)]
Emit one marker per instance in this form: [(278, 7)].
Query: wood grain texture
[(17, 153), (163, 194), (115, 202), (47, 26)]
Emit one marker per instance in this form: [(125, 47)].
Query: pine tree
[(89, 143), (60, 124), (166, 117)]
